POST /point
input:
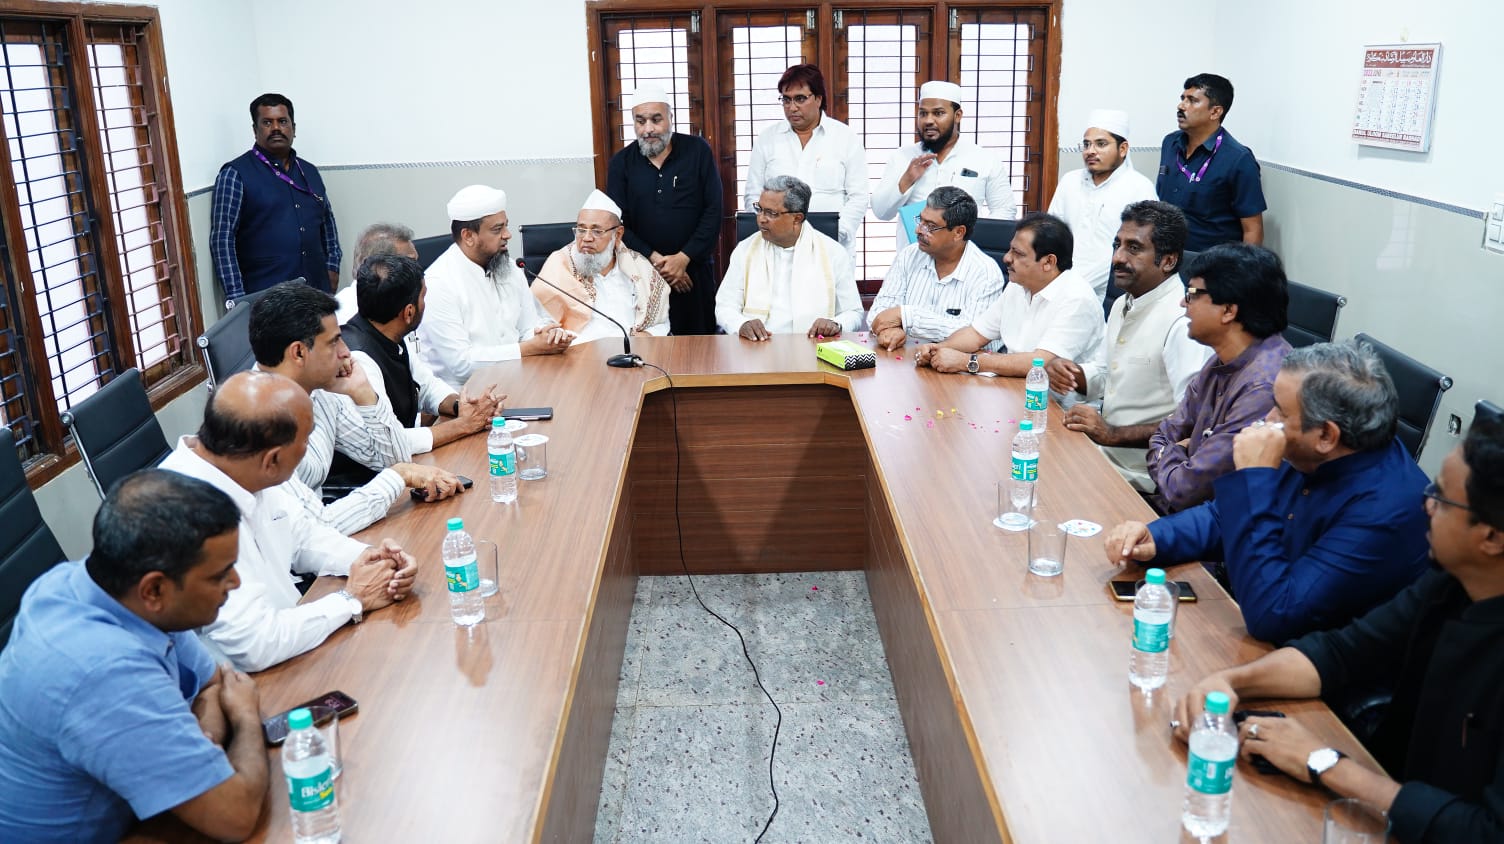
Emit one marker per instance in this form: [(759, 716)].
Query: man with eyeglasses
[(1090, 199), (819, 150), (479, 310), (941, 284), (600, 269), (788, 277), (1318, 522), (942, 157), (1439, 645)]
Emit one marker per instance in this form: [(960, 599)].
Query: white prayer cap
[(651, 92), (940, 90), (598, 201), (1109, 120), (475, 202)]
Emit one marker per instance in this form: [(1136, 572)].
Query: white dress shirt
[(972, 168), (262, 623), (368, 434), (432, 390), (782, 318), (470, 319), (615, 294), (1065, 318), (1095, 213), (833, 164), (935, 308)]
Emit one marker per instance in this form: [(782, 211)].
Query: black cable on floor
[(679, 529)]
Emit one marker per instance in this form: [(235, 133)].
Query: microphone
[(625, 360)]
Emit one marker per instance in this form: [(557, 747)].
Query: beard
[(939, 142), (651, 147), (587, 264), (499, 263)]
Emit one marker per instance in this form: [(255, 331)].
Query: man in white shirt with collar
[(942, 157), (1046, 312), (818, 149), (787, 277), (256, 426), (1089, 200), (1147, 357), (479, 309), (940, 284), (599, 268)]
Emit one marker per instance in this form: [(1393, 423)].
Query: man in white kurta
[(479, 310), (818, 149), (787, 278), (942, 157), (1091, 199)]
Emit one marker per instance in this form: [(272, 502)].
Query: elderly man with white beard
[(599, 268)]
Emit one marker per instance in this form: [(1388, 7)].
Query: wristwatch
[(1321, 761), (971, 365), (357, 612)]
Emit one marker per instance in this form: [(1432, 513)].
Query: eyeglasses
[(1192, 292), (1100, 143), (1433, 492), (769, 213), (581, 231), (928, 227), (798, 99)]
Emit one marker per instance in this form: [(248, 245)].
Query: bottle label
[(1209, 776), (462, 575), (310, 794), (1035, 399), (1150, 638), (1025, 468), (503, 463)]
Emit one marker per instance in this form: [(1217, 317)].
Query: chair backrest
[(1419, 387), (27, 545), (226, 345), (116, 431), (993, 237), (541, 240), (430, 248), (1312, 317), (827, 223), (1486, 409)]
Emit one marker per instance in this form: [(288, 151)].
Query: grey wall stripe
[(419, 165)]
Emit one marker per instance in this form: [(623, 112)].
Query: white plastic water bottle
[(310, 782), (1153, 609), (1021, 480), (1209, 766), (503, 456), (1037, 396), (462, 575)]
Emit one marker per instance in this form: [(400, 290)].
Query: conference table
[(1013, 688)]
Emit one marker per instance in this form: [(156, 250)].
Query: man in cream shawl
[(601, 270), (788, 276)]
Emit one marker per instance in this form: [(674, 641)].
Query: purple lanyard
[(295, 186), (1194, 177)]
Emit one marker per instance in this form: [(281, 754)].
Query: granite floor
[(688, 760)]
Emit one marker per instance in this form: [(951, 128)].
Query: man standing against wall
[(271, 219), (669, 190), (1207, 173), (1091, 199)]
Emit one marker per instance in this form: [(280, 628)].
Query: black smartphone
[(1259, 763), (275, 727), (527, 414), (1123, 590), (422, 494)]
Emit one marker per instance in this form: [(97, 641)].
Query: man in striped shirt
[(941, 283)]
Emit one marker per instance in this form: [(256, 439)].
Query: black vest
[(395, 367)]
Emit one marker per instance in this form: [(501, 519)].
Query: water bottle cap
[(299, 719), (1026, 425), (1039, 361), (456, 523), (1155, 576), (498, 422), (1217, 703)]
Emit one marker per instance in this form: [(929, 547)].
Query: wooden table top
[(459, 730)]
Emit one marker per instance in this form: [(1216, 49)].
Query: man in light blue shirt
[(110, 709)]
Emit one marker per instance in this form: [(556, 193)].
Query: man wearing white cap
[(1091, 200), (479, 310), (942, 157), (669, 189), (601, 270)]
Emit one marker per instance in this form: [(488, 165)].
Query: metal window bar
[(759, 56), (1001, 69), (657, 52)]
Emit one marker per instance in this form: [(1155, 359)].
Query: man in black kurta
[(669, 190)]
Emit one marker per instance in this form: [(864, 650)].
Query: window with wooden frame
[(1004, 53), (94, 243)]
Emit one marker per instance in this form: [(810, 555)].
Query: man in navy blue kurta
[(1205, 172)]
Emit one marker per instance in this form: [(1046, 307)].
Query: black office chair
[(1312, 316), (827, 223), (116, 431), (994, 237), (541, 240), (430, 248), (1486, 409), (226, 346), (27, 546), (1420, 388)]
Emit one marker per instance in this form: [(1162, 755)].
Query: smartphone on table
[(275, 727)]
